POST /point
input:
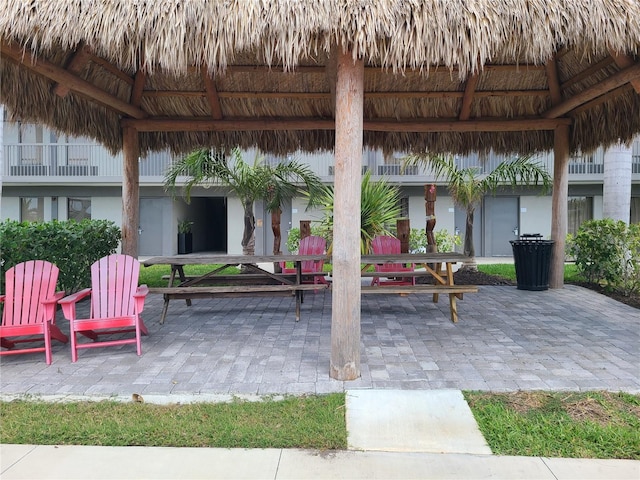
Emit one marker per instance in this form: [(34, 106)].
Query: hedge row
[(72, 246)]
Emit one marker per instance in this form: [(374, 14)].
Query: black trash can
[(532, 258)]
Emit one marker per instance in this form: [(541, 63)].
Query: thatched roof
[(446, 75)]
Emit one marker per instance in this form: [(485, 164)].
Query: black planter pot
[(185, 243)]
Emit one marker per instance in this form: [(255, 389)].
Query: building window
[(635, 210), (78, 208), (31, 209), (580, 210)]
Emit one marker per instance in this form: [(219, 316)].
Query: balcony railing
[(81, 162)]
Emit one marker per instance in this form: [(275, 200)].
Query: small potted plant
[(185, 237)]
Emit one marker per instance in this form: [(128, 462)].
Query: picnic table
[(438, 266), (260, 281), (214, 283)]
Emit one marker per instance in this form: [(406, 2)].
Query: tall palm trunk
[(248, 236), (468, 247), (277, 236)]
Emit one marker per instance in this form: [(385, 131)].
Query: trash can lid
[(531, 235)]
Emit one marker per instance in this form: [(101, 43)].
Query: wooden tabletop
[(205, 258)]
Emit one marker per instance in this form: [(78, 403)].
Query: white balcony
[(89, 163)]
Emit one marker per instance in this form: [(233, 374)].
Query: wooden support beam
[(161, 124), (467, 99), (420, 95), (212, 95), (559, 202), (611, 83), (625, 61), (320, 70), (345, 308), (600, 100), (77, 62), (130, 192), (115, 71), (596, 67), (138, 87), (553, 79), (53, 72)]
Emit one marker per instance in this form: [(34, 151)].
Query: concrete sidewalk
[(73, 462)]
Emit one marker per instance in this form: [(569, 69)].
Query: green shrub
[(607, 252), (72, 246), (445, 241), (293, 240)]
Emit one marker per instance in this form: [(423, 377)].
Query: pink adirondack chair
[(390, 245), (29, 311), (116, 304), (311, 245)]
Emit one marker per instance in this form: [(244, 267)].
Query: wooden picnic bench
[(214, 284)]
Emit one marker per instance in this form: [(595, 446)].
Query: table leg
[(165, 307), (183, 279), (299, 298)]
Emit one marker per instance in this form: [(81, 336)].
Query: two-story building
[(50, 176)]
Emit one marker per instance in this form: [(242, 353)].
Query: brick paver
[(506, 339)]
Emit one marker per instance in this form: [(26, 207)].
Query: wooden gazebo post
[(345, 308), (559, 205), (130, 191)]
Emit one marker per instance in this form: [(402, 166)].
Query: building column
[(345, 311), (617, 183), (130, 192)]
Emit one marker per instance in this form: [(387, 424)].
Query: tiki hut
[(282, 75)]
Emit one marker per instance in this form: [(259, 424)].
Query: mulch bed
[(471, 277)]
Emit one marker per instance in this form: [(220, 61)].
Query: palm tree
[(249, 183), (284, 182), (379, 208), (468, 187)]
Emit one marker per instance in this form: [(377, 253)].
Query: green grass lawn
[(548, 424), (316, 422)]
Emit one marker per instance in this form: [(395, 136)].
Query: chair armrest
[(141, 292), (50, 305), (69, 303)]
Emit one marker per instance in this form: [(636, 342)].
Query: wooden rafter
[(604, 63), (53, 72), (326, 95), (212, 95), (112, 69), (601, 99), (553, 80), (181, 124), (611, 83), (77, 62), (467, 99), (625, 61), (320, 70), (138, 87)]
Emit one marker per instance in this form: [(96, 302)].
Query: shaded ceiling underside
[(501, 77)]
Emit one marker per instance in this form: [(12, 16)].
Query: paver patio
[(506, 339)]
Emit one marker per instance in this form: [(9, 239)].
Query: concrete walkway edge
[(80, 462)]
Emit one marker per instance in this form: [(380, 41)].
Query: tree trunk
[(277, 236), (248, 236), (468, 248)]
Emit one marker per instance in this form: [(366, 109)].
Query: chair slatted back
[(382, 245), (27, 284), (114, 280), (312, 245)]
